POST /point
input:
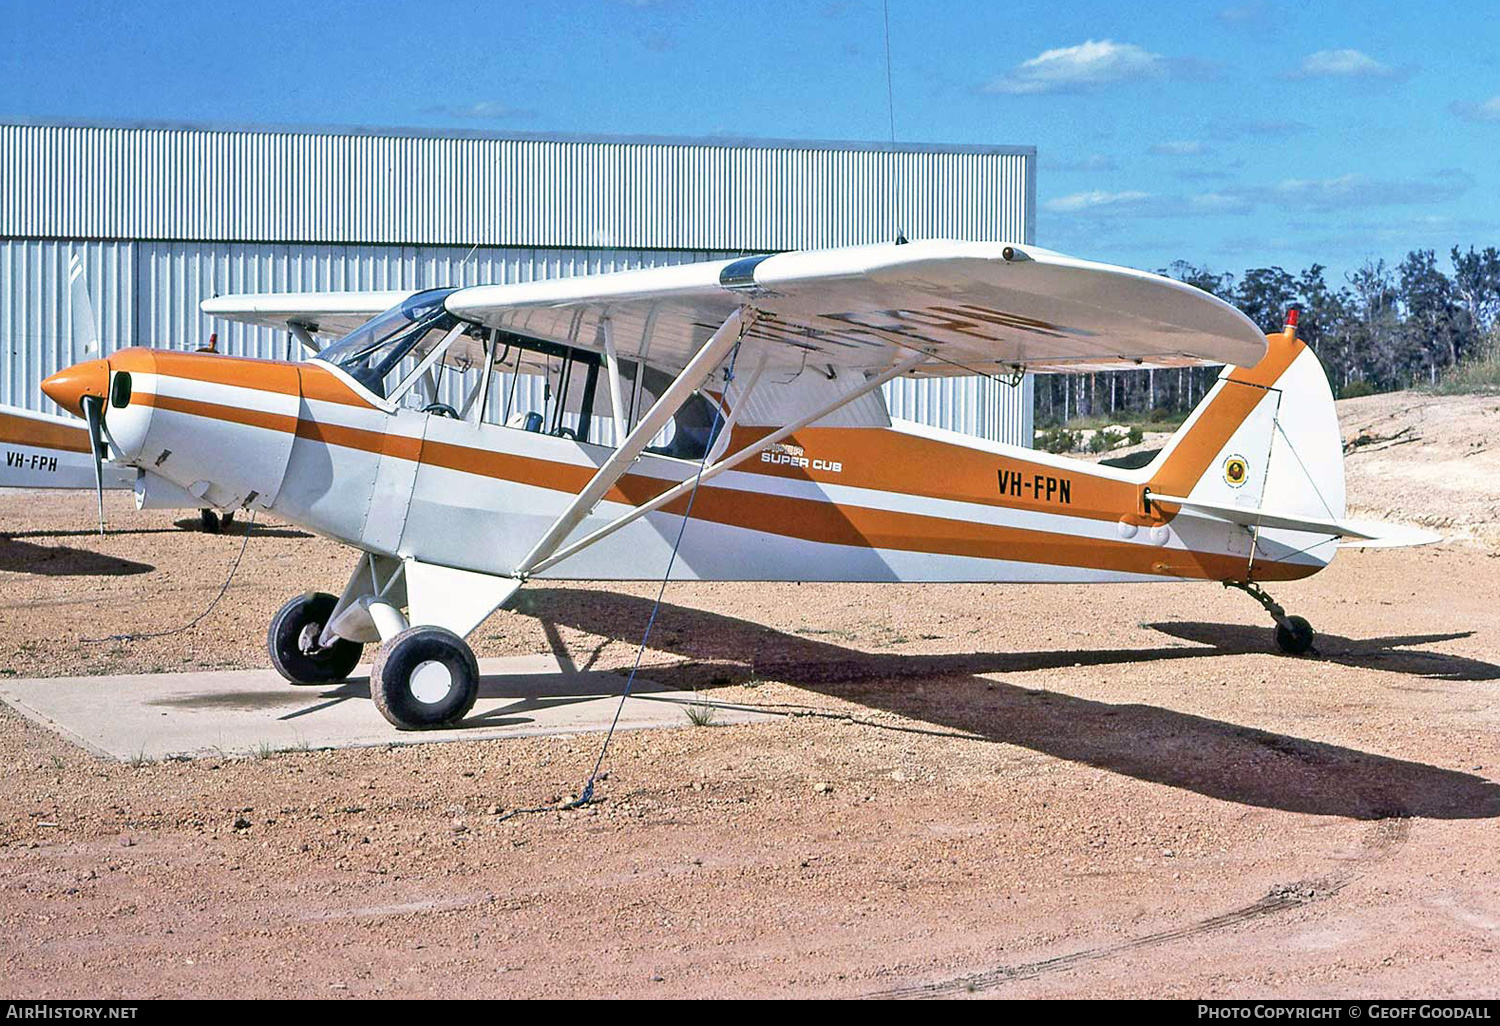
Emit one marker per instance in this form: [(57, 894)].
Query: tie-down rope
[(233, 568), (587, 794)]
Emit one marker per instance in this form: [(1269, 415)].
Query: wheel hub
[(431, 681), (307, 639)]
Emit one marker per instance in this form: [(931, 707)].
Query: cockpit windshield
[(374, 353)]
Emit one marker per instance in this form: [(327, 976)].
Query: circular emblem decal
[(1236, 472)]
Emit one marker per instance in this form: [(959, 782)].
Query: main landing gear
[(214, 522), (296, 651), (423, 678), (1294, 635)]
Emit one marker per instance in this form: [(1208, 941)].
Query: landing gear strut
[(214, 522), (1294, 635)]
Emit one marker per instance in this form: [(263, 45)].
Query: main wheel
[(1295, 637), (293, 642), (425, 677)]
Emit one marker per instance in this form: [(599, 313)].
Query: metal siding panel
[(149, 293), (36, 324)]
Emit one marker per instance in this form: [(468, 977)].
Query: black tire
[(395, 675), (1295, 637), (210, 521), (304, 616)]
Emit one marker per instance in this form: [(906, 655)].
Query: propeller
[(84, 324), (86, 327), (93, 412)]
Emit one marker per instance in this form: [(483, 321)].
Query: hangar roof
[(336, 184)]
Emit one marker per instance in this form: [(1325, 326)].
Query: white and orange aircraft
[(749, 388)]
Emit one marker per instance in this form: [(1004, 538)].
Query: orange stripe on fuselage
[(218, 411), (890, 461), (212, 368)]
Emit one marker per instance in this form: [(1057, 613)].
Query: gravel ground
[(997, 790)]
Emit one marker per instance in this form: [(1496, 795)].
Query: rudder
[(1265, 437)]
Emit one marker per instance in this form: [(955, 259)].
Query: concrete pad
[(236, 712)]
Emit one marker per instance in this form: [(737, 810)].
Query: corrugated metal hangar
[(166, 216)]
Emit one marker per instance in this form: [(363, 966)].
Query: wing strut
[(612, 364), (304, 337), (703, 364), (727, 463)]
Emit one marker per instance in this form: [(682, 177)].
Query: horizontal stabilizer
[(1359, 533), (1379, 535)]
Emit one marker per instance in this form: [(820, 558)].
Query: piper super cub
[(757, 379)]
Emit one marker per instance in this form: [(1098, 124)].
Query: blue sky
[(1234, 133)]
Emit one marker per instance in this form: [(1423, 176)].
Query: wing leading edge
[(318, 313)]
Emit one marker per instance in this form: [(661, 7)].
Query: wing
[(977, 307), (318, 313)]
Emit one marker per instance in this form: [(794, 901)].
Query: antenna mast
[(890, 109)]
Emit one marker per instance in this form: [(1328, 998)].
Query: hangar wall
[(165, 217)]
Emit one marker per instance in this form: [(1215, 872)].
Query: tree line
[(1384, 328)]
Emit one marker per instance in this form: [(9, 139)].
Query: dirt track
[(1030, 791)]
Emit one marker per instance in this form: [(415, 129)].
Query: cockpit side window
[(573, 399), (694, 427)]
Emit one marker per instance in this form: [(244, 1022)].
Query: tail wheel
[(1295, 636), (293, 642), (425, 677)]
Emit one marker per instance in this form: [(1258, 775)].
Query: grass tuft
[(701, 713)]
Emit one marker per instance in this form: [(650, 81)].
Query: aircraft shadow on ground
[(1210, 757), (238, 527), (191, 526), (528, 693), (62, 561)]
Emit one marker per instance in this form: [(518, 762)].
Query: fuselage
[(903, 503)]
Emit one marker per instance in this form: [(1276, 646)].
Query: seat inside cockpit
[(419, 356)]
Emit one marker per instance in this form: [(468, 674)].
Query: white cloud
[(1316, 196), (482, 110), (1219, 203), (1179, 148), (1098, 207), (1232, 129), (1357, 190), (1254, 12), (1093, 162), (1342, 64), (1097, 201), (1088, 65), (1489, 110)]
